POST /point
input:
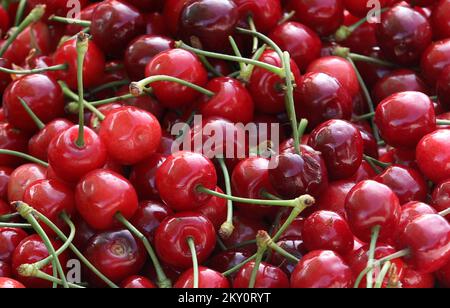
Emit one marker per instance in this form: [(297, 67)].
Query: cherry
[(176, 230), (443, 275), (295, 247), (55, 7), (183, 172), (267, 276), (155, 24), (11, 139), (84, 14), (83, 232), (401, 80), (370, 143), (21, 178), (208, 278), (429, 246), (5, 79), (226, 260), (10, 238), (403, 34), (147, 5), (245, 230), (8, 283), (172, 11), (143, 176), (440, 21), (416, 280), (370, 204), (399, 156), (443, 88), (181, 64), (265, 13), (93, 67), (114, 25), (322, 269), (215, 210), (266, 87), (301, 42), (361, 8), (137, 282), (440, 199), (434, 60), (411, 211), (95, 123), (145, 102), (39, 143), (149, 215), (116, 254), (5, 269), (433, 161), (70, 162), (4, 21), (41, 93), (30, 250), (333, 197), (404, 118), (5, 173), (101, 194), (231, 101)]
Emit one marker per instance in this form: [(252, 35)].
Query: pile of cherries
[(93, 194)]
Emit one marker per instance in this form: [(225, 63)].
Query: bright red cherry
[(149, 215), (10, 238), (265, 13), (322, 269), (183, 172), (143, 177), (181, 64), (12, 139), (440, 199), (172, 11), (21, 178), (215, 210), (440, 21), (370, 204), (432, 158), (9, 283), (333, 197), (411, 211), (137, 282), (176, 230), (101, 194), (207, 278), (434, 60), (415, 280), (267, 277)]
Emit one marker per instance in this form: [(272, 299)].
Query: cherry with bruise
[(267, 277), (207, 278), (149, 215), (21, 178), (434, 60), (12, 139), (10, 238)]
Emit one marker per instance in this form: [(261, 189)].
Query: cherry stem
[(109, 85), (382, 275), (244, 75), (32, 115), (34, 16), (302, 128), (376, 162), (270, 196), (443, 122), (15, 225), (258, 260), (227, 227), (59, 67), (8, 217), (221, 244), (286, 17), (163, 281), (26, 212), (82, 47), (24, 156), (191, 245), (239, 266), (363, 117), (280, 250), (370, 261), (112, 100), (252, 26), (263, 37), (75, 97), (237, 52), (29, 270), (209, 66), (71, 21), (20, 11), (445, 212), (271, 68), (137, 88)]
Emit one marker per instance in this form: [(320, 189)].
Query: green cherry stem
[(112, 100), (82, 47), (35, 15), (445, 212), (371, 259), (71, 21), (264, 38), (209, 66), (163, 281), (191, 245), (32, 115), (59, 67), (29, 270), (384, 271), (237, 52), (227, 227), (443, 122), (287, 16), (376, 162), (109, 85), (252, 26), (274, 246), (244, 75), (239, 266), (302, 128), (363, 117), (262, 247), (8, 217), (15, 225), (345, 31), (24, 156), (20, 10)]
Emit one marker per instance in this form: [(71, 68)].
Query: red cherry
[(176, 230), (143, 177), (267, 277), (333, 197), (322, 269), (226, 260), (370, 143), (172, 11), (116, 254), (440, 199), (83, 234), (155, 24), (21, 178), (54, 7), (443, 275), (440, 21), (137, 282), (362, 40), (416, 280), (265, 13), (443, 88), (181, 64), (149, 215), (207, 278), (295, 247), (101, 194), (10, 238), (245, 229), (361, 8), (145, 102), (5, 173), (5, 79), (8, 283), (215, 210), (370, 204), (432, 159), (4, 21), (411, 211), (84, 14), (11, 139), (434, 60), (71, 162), (183, 172)]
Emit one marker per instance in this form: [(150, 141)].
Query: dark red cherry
[(443, 88), (137, 282), (149, 215), (403, 34), (322, 269), (183, 172), (176, 230), (225, 260), (432, 158), (172, 12), (370, 204), (21, 178), (114, 25), (84, 14), (245, 229), (10, 238), (181, 64), (415, 280), (370, 143), (265, 13), (141, 51), (434, 60), (361, 8), (215, 210), (5, 269), (71, 162), (267, 277), (12, 139), (404, 118), (333, 197), (101, 194), (143, 177), (145, 102), (116, 254), (440, 21), (207, 278), (41, 93), (4, 21), (440, 199), (295, 247), (5, 173), (428, 239), (5, 79), (443, 275), (155, 24), (362, 39), (83, 232)]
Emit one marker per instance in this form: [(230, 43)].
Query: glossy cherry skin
[(71, 162), (215, 210), (30, 250), (137, 282), (116, 254), (443, 88), (176, 230), (370, 204), (225, 260), (93, 66), (432, 159), (12, 139), (141, 51), (415, 280), (39, 143), (41, 93), (101, 194), (9, 283), (411, 211), (266, 87), (143, 177), (443, 275), (231, 101), (183, 172), (404, 118), (333, 197), (398, 81), (114, 25), (440, 21), (181, 64), (208, 278), (5, 79), (265, 13), (403, 34), (10, 238), (428, 238), (149, 215), (172, 11), (322, 269), (21, 178), (434, 60), (267, 277), (440, 199), (5, 173), (341, 146)]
